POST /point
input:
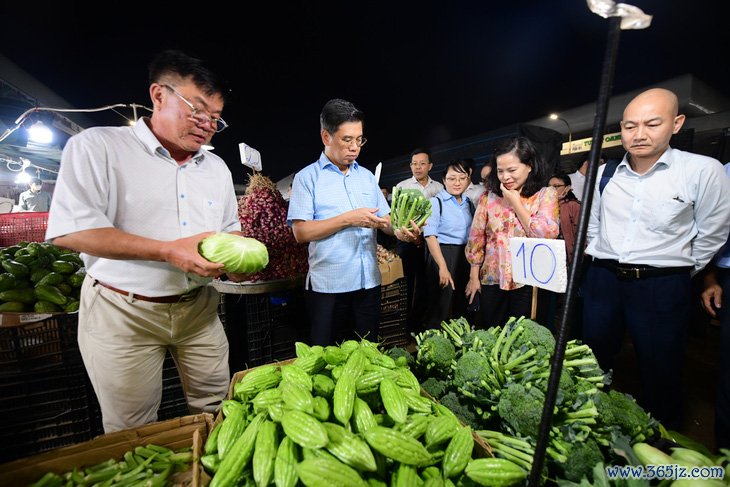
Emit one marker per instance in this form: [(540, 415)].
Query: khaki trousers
[(123, 342)]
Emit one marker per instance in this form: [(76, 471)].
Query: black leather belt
[(639, 271), (177, 298)]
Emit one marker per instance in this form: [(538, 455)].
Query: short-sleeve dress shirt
[(346, 260), (122, 177), (451, 224), (431, 189)]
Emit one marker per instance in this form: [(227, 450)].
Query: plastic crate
[(22, 227), (45, 393), (173, 403), (394, 297), (263, 327), (45, 344), (393, 301)]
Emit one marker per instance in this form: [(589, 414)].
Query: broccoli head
[(402, 357), (536, 336), (435, 352), (620, 410), (462, 408), (435, 387), (480, 340), (582, 458), (520, 408)]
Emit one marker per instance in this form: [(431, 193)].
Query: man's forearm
[(112, 243), (311, 230)]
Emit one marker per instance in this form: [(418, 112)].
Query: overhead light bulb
[(40, 134), (23, 178)]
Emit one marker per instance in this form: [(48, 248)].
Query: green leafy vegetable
[(241, 255)]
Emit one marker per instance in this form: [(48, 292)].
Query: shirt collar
[(153, 145), (324, 162), (415, 181), (446, 196), (665, 159)]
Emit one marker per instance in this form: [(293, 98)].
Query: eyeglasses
[(199, 115), (456, 179), (360, 141)]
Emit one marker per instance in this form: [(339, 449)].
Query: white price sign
[(539, 262)]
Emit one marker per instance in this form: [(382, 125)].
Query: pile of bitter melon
[(343, 416)]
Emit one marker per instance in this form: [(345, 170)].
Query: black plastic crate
[(42, 345), (393, 297), (45, 393), (393, 330), (263, 328)]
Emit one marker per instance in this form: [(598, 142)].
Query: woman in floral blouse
[(518, 205)]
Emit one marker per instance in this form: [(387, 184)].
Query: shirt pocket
[(668, 216), (213, 213)]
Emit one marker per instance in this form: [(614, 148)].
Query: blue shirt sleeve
[(431, 229), (301, 201)]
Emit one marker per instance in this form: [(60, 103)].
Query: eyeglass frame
[(215, 122), (362, 142)]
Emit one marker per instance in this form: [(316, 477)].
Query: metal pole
[(604, 94)]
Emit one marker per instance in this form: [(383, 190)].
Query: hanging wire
[(19, 121)]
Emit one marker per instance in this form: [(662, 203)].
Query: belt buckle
[(628, 272)]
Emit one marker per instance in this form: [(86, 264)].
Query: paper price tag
[(249, 156), (539, 262)]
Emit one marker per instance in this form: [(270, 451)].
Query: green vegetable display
[(240, 255), (150, 465), (495, 381), (363, 423), (409, 205), (40, 277)]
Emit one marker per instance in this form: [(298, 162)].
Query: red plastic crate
[(22, 227)]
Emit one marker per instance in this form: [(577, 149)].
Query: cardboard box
[(241, 374), (391, 271), (174, 433)]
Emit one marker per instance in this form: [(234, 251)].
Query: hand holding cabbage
[(239, 255), (409, 213)]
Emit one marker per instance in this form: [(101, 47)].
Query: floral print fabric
[(495, 222)]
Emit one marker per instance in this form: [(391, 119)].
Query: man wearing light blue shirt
[(337, 206), (717, 285), (659, 220)]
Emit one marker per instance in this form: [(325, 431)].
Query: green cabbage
[(240, 255)]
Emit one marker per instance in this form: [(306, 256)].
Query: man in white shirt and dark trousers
[(657, 221), (414, 255)]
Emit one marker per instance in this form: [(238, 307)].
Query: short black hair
[(173, 62), (422, 150), (338, 111), (525, 151), (457, 165)]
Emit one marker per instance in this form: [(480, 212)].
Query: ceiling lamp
[(40, 134)]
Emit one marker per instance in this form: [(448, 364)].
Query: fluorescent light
[(40, 134), (207, 147), (23, 178)]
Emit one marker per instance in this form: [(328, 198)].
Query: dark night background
[(424, 73)]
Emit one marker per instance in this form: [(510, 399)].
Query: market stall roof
[(707, 111), (19, 92)]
